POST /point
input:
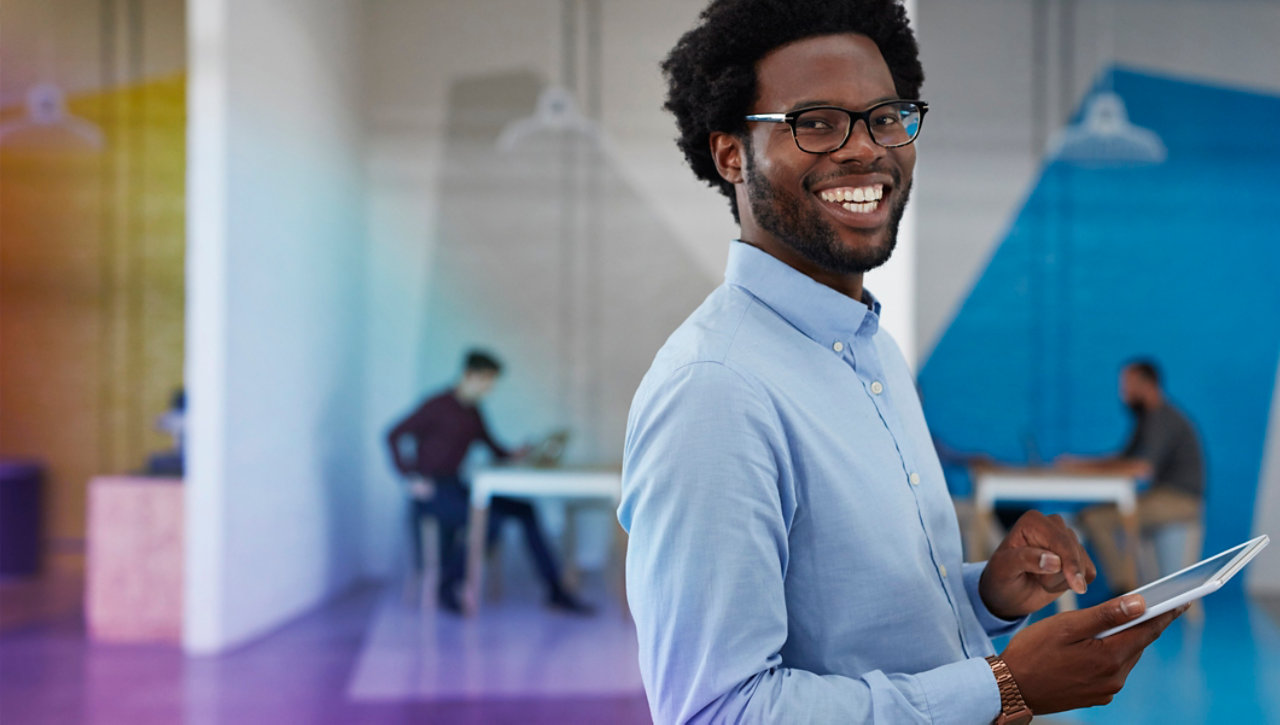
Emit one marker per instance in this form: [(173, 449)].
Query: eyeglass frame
[(790, 117)]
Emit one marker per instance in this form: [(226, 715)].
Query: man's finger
[(1039, 561), (1053, 583), (1086, 623), (1085, 561), (1139, 637), (1047, 565), (1073, 555)]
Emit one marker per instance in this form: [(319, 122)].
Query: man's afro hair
[(711, 75)]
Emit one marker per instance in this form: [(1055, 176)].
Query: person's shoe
[(565, 602), (449, 601)]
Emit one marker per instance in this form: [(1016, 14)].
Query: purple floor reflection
[(303, 673), (514, 648)]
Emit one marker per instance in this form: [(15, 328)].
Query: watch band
[(1013, 709)]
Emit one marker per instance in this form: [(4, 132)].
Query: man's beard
[(806, 231)]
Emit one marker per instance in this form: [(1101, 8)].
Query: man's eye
[(813, 124), (887, 119)]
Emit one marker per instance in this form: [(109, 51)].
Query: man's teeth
[(865, 197), (861, 208)]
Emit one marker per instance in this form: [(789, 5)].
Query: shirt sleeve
[(1133, 447), (706, 501), (499, 451), (994, 626), (411, 425)]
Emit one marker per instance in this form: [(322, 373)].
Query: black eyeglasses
[(823, 129)]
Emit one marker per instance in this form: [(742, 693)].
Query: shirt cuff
[(961, 692), (993, 625)]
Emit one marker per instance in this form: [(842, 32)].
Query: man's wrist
[(1013, 709)]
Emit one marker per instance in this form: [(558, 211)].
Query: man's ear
[(726, 151)]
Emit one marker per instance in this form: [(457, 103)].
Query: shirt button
[(942, 569), (877, 388), (838, 347), (915, 479)]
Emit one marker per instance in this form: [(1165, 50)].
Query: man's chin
[(860, 254)]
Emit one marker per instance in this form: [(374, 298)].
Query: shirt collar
[(821, 313)]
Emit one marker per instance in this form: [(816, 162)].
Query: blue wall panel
[(1178, 261)]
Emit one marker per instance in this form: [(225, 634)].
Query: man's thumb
[(1112, 613)]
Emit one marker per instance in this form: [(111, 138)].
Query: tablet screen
[(1192, 583), (1164, 589)]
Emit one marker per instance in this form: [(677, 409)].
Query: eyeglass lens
[(824, 129)]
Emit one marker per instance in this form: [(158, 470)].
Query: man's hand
[(422, 489), (1039, 560), (1058, 664)]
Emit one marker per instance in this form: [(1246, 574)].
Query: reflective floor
[(368, 657), (371, 657)]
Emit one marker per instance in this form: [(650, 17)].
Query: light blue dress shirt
[(794, 554)]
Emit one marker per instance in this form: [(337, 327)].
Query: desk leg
[(1129, 520), (980, 531), (474, 579)]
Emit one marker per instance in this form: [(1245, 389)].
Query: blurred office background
[(304, 211)]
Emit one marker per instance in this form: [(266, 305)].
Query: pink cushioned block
[(133, 587)]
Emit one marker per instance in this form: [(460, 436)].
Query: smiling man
[(794, 554)]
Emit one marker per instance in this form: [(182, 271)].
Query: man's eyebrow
[(812, 102)]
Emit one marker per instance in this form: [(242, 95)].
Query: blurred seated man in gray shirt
[(1164, 449)]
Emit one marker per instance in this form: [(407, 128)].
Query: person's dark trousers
[(501, 509), (451, 506)]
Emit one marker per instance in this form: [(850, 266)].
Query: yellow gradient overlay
[(92, 247)]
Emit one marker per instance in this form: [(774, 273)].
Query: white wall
[(418, 51), (1264, 573), (275, 313), (894, 284)]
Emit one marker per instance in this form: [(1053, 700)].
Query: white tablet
[(1193, 582)]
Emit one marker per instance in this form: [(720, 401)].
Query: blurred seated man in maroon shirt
[(442, 430)]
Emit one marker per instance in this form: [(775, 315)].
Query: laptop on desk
[(548, 452)]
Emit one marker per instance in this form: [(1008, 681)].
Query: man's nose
[(859, 146)]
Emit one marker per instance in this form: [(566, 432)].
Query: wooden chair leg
[(621, 540), (1194, 550), (493, 579), (571, 574)]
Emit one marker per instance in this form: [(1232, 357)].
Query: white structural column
[(275, 326), (894, 284), (206, 274), (1264, 573)]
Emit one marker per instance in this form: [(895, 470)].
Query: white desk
[(603, 485), (992, 484)]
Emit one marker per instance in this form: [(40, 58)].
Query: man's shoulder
[(1177, 420), (727, 329), (438, 400)]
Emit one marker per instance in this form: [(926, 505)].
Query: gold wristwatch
[(1013, 709)]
